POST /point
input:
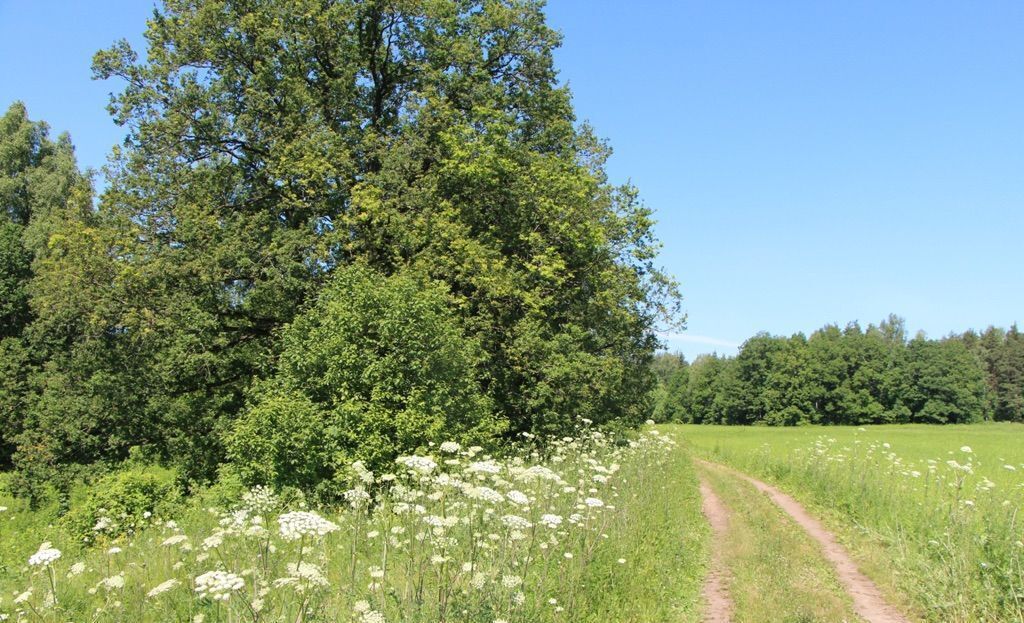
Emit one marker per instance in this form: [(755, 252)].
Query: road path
[(717, 603), (868, 601)]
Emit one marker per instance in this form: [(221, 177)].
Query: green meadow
[(930, 513)]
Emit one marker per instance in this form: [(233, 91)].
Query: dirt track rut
[(868, 601), (718, 605)]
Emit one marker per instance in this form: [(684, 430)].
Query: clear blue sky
[(809, 162)]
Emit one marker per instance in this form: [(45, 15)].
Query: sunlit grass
[(942, 505), (593, 528), (777, 571)]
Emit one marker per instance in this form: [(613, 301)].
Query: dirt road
[(718, 605), (868, 601)]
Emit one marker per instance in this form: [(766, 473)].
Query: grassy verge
[(21, 531), (932, 514), (663, 538), (778, 572), (600, 531)]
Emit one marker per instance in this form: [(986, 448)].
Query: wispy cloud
[(698, 339)]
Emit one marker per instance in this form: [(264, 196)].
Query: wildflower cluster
[(459, 535)]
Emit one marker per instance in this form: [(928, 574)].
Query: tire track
[(868, 601), (715, 594)]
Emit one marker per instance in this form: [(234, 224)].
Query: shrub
[(124, 501), (284, 439), (376, 367)]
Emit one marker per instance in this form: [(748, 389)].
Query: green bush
[(124, 501), (284, 439), (377, 367)]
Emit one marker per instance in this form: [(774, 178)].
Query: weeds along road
[(771, 560)]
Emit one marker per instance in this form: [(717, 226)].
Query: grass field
[(931, 513)]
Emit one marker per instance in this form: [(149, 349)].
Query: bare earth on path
[(718, 604), (868, 601)]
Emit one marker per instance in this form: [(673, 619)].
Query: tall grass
[(596, 527), (945, 505)]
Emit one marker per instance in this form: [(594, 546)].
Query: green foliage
[(843, 376), (284, 439), (15, 262), (14, 368), (37, 178), (269, 147), (123, 502), (671, 373), (378, 366), (1002, 353), (944, 383)]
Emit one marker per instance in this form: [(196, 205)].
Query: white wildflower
[(372, 616), (450, 447), (46, 555), (421, 464), (357, 498), (511, 581), (163, 587), (213, 541), (297, 524), (518, 497), (260, 500), (303, 576), (361, 606), (218, 585), (485, 494), (174, 540), (114, 582), (365, 475), (516, 522), (484, 467), (479, 580), (551, 521), (538, 472)]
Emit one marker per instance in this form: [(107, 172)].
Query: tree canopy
[(271, 144), (850, 376)]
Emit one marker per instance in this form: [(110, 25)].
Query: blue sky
[(808, 162)]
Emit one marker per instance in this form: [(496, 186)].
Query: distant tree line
[(335, 230), (849, 376)]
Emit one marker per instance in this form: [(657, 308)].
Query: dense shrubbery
[(377, 366), (124, 501), (849, 376)]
